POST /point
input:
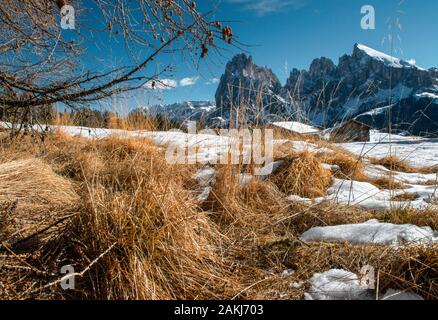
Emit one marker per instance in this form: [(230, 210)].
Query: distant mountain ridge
[(325, 94), (368, 85), (181, 111)]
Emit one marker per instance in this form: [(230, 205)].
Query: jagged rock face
[(327, 93), (413, 115), (245, 86), (361, 82)]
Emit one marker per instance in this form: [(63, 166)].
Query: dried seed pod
[(204, 52), (61, 3)]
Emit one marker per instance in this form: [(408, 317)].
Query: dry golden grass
[(328, 214), (409, 268), (429, 183), (150, 238), (351, 167), (407, 196), (165, 247), (394, 163), (284, 150), (303, 175), (283, 134), (33, 184), (411, 216), (387, 183)]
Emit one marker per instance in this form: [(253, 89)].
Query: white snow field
[(372, 232), (337, 284), (416, 151), (208, 146), (419, 152)]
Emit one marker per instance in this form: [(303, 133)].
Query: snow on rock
[(427, 95), (356, 193), (205, 178), (385, 58), (372, 232), (288, 273), (336, 284)]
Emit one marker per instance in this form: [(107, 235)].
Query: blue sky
[(286, 34)]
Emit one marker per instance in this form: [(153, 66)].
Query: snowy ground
[(337, 284), (333, 284), (373, 232), (366, 195), (417, 151), (414, 150)]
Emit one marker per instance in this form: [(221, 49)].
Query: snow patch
[(336, 284), (297, 127), (372, 232), (429, 95), (416, 151), (388, 60)]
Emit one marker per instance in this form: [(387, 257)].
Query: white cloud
[(161, 84), (264, 7), (186, 82), (212, 81)]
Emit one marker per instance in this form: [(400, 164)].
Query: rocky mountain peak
[(321, 67), (327, 93), (244, 84)]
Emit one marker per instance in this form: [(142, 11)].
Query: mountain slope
[(325, 94)]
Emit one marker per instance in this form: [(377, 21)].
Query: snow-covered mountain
[(368, 85), (181, 111)]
